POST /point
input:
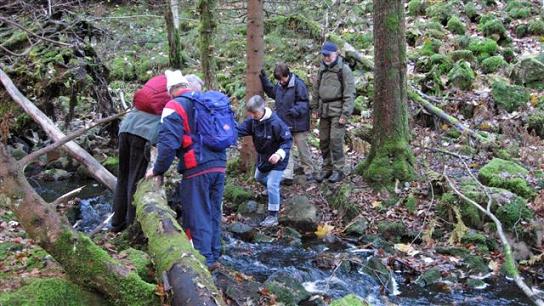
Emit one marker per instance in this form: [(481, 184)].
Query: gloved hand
[(262, 75), (292, 113)]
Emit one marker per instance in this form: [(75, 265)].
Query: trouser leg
[(139, 158), (273, 188), (337, 144), (301, 141), (197, 214), (289, 172), (325, 142), (120, 199), (216, 196)]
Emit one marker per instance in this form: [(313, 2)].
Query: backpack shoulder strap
[(340, 75)]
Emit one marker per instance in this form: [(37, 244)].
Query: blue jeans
[(201, 206), (271, 180)]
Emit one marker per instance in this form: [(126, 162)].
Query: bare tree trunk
[(180, 265), (390, 157), (171, 15), (208, 26), (85, 262), (255, 55), (100, 173)]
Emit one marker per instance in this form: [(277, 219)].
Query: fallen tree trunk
[(181, 266), (85, 263), (436, 111), (95, 168)]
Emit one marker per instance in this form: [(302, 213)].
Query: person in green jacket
[(333, 104)]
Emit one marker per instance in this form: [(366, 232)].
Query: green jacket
[(141, 124), (328, 100)]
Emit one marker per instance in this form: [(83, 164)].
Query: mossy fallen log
[(83, 261), (172, 252)]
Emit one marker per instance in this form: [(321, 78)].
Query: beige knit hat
[(174, 78)]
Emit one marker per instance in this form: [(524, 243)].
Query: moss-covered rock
[(341, 201), (50, 291), (469, 214), (471, 11), (518, 9), (357, 227), (536, 27), (493, 64), (417, 7), (236, 194), (287, 289), (529, 70), (476, 283), (522, 30), (443, 63), (475, 264), (536, 123), (494, 28), (512, 213), (429, 277), (461, 75), (112, 164), (483, 48), (392, 231), (509, 97), (508, 175), (300, 213), (430, 46), (442, 11), (465, 55), (349, 300), (456, 26)]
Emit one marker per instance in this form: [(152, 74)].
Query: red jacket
[(153, 96)]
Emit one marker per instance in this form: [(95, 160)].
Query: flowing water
[(262, 260)]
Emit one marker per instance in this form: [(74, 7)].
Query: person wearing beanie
[(332, 104), (203, 169)]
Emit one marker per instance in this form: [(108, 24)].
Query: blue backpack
[(215, 125)]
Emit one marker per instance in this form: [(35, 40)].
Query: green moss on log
[(50, 291)]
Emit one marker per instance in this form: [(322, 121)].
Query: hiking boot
[(336, 177), (270, 221), (214, 266), (323, 175), (287, 182)]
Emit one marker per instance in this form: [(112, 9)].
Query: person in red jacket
[(138, 130)]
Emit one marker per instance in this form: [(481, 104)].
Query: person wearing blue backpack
[(272, 140), (197, 127)]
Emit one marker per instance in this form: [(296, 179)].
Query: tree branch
[(507, 249), (30, 157)]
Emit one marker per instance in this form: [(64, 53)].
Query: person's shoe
[(270, 221), (214, 266), (323, 175), (336, 177), (287, 182)]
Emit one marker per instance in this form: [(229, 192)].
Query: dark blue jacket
[(292, 103), (176, 139), (269, 135)]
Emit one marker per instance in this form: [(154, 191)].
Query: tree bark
[(172, 18), (100, 173), (390, 157), (208, 27), (172, 252), (255, 56), (84, 262)]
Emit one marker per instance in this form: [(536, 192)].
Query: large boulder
[(508, 175), (242, 231), (529, 70), (300, 213)]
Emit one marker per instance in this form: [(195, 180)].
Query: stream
[(263, 260)]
